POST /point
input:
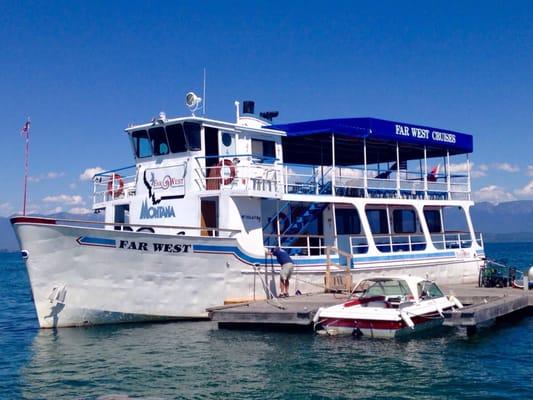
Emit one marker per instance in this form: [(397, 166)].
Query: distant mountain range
[(505, 222), (8, 240)]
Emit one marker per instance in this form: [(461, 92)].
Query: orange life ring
[(111, 190), (227, 163)]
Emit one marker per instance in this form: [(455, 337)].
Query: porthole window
[(226, 139)]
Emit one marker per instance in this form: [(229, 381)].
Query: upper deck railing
[(115, 184), (254, 176)]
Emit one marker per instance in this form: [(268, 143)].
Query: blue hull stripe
[(403, 257), (96, 241), (237, 252)]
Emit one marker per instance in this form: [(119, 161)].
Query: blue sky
[(84, 70)]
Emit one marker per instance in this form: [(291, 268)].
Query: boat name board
[(421, 133), (134, 245), (154, 247)]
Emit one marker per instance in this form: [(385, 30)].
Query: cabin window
[(265, 150), (141, 143), (176, 138), (378, 221), (433, 220), (348, 222), (404, 221), (192, 135), (159, 141)]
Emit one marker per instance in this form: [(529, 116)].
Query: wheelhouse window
[(264, 150), (141, 144), (192, 135), (176, 138), (159, 141), (404, 221)]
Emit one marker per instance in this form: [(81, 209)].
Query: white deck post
[(425, 173), (334, 226), (365, 177), (448, 175), (277, 225), (333, 191), (397, 170)]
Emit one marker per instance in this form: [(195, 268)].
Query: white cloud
[(463, 168), (493, 194), (530, 170), (65, 199), (48, 176), (506, 167), (526, 191), (6, 209), (80, 210), (73, 185), (88, 174)]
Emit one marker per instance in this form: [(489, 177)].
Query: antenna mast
[(204, 98)]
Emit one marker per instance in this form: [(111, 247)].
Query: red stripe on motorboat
[(377, 324), (32, 220)]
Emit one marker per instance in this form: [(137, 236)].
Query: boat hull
[(378, 329), (85, 276)]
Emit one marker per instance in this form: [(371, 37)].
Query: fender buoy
[(112, 190), (229, 164)]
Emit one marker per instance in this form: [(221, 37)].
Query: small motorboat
[(387, 307)]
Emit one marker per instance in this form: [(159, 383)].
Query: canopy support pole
[(397, 170), (425, 174), (365, 177), (448, 175), (333, 191), (468, 188)]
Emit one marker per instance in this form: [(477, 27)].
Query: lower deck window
[(404, 221)]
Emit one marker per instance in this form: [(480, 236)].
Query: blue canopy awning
[(381, 130)]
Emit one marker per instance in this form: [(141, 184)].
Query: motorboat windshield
[(428, 290), (383, 287)]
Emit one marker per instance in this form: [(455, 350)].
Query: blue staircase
[(303, 216)]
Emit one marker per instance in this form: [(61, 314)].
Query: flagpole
[(26, 175), (26, 133)]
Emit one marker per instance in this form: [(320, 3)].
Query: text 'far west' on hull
[(186, 227)]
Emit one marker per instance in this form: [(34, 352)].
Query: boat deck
[(296, 312)]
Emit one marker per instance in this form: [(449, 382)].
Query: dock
[(482, 305)]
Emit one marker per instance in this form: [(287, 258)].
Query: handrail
[(347, 282), (122, 224), (113, 170)]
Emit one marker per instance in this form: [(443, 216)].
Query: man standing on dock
[(287, 266)]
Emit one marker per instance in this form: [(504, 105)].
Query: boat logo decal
[(156, 211), (165, 182)]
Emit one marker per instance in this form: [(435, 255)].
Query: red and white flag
[(25, 131)]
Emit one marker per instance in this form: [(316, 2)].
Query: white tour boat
[(387, 307), (186, 227)]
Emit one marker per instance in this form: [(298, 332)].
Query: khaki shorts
[(286, 271)]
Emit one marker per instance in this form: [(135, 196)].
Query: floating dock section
[(482, 305)]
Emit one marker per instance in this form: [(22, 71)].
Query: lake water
[(196, 360)]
